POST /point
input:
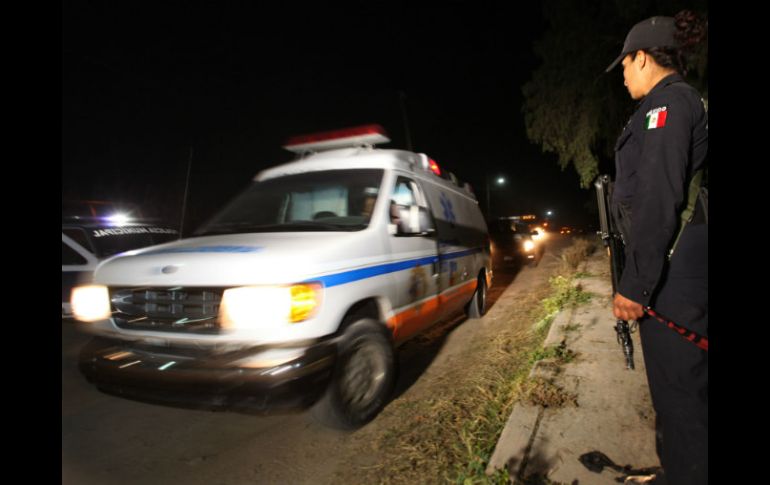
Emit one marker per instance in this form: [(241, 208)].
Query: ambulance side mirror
[(425, 222)]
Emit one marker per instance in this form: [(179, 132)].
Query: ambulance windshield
[(331, 200)]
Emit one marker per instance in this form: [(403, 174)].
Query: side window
[(404, 192), (407, 192), (70, 257)]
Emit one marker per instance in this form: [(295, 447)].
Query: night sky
[(146, 87)]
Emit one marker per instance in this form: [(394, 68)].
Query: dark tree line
[(571, 107)]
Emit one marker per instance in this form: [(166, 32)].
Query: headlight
[(91, 303), (529, 245), (252, 307), (304, 301)]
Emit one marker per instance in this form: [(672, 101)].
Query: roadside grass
[(572, 327), (542, 392), (560, 354), (449, 438), (565, 294), (572, 256)]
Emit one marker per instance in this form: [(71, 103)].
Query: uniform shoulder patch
[(655, 118)]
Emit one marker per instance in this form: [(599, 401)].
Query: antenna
[(186, 187)]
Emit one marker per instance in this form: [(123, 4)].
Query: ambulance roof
[(354, 148), (344, 158), (365, 157)]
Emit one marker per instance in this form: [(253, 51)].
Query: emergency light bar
[(365, 135), (429, 165), (346, 137), (434, 167)]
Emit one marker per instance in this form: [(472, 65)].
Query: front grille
[(186, 310)]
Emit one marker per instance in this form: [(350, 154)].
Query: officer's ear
[(641, 59)]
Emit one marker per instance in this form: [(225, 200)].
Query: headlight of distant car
[(90, 303), (252, 307), (529, 246)]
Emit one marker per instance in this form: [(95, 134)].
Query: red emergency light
[(346, 137), (434, 167)]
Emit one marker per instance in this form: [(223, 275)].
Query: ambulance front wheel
[(477, 307), (363, 377)]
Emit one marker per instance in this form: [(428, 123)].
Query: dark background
[(146, 86)]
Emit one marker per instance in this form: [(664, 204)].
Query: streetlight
[(498, 181)]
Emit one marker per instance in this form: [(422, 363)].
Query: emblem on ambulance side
[(446, 206)]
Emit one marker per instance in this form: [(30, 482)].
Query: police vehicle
[(298, 291), (88, 239)]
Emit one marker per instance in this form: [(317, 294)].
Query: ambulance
[(299, 291)]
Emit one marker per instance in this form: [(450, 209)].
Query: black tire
[(363, 377), (477, 307)]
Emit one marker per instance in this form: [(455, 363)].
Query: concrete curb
[(614, 412)]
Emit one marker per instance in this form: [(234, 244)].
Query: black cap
[(653, 32)]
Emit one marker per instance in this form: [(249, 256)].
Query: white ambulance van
[(298, 291)]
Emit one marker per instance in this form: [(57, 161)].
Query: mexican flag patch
[(656, 118)]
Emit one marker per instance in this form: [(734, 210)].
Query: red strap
[(699, 340)]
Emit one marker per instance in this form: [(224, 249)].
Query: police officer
[(662, 150)]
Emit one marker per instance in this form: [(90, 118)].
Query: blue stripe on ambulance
[(363, 273)]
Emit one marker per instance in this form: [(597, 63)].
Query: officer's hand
[(626, 309)]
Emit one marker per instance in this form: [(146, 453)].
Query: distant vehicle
[(538, 232), (565, 230), (87, 240), (514, 242), (535, 226)]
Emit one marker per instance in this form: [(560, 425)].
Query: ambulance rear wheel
[(363, 377), (477, 307)]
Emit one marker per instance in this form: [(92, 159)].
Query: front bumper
[(204, 379)]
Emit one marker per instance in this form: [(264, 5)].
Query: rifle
[(614, 243)]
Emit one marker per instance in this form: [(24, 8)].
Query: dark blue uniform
[(663, 144)]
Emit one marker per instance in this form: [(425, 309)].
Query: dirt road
[(111, 440)]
